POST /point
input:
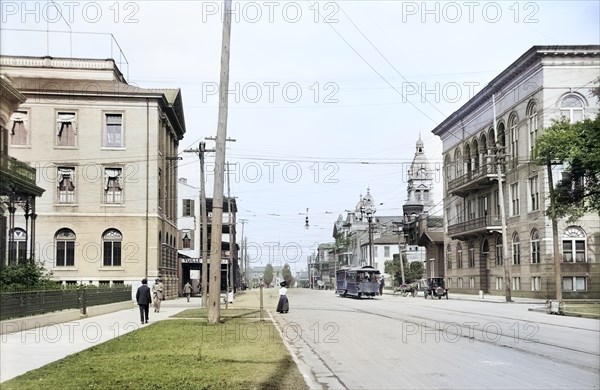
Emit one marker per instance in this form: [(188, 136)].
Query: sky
[(327, 98)]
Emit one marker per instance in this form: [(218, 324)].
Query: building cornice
[(533, 55)]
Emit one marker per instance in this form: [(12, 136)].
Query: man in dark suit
[(144, 299)]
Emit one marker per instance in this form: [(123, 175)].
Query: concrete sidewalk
[(27, 350), (486, 298)]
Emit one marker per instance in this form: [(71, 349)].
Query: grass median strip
[(178, 354)]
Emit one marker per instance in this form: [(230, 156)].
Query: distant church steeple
[(420, 183)]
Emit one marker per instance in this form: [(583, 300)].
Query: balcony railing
[(472, 179), (474, 226)]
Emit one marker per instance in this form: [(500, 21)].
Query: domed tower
[(420, 183), (366, 203)]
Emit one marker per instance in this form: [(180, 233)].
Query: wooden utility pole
[(203, 220), (505, 259), (214, 309)]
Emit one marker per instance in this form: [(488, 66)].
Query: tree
[(286, 272), (412, 271), (25, 275), (268, 275), (575, 145)]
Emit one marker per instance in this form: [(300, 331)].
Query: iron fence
[(18, 304)]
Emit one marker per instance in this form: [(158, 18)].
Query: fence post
[(83, 299)]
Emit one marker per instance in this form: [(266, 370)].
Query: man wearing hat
[(283, 304)]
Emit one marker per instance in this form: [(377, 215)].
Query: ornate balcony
[(471, 228), (481, 177), (18, 178)]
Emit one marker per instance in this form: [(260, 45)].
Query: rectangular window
[(536, 283), (483, 206), (66, 129), (516, 283), (497, 202), (112, 253), (187, 239), (113, 187), (459, 213), (471, 283), (19, 128), (499, 255), (472, 209), (459, 262), (188, 208), (516, 253), (375, 250), (575, 283), (499, 283), (514, 199), (66, 185), (471, 257), (65, 253), (460, 283), (535, 251), (574, 250), (534, 194), (386, 251), (113, 134)]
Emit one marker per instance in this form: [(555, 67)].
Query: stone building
[(545, 83), (18, 189), (105, 153)]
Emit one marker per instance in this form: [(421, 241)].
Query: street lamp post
[(370, 222)]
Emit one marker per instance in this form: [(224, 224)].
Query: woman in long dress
[(283, 304)]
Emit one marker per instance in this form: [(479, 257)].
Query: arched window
[(459, 263), (475, 152), (458, 164), (448, 165), (448, 259), (532, 125), (65, 248), (574, 245), (535, 246), (571, 107), (516, 246), (499, 255), (513, 124), (111, 244), (17, 247), (471, 254)]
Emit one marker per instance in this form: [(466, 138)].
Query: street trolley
[(357, 282)]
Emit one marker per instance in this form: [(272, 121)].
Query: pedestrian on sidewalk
[(159, 295), (143, 298), (187, 290), (381, 286), (283, 304)]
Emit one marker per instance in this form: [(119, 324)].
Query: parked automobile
[(435, 287)]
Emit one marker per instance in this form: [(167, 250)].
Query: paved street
[(395, 342), (389, 342)]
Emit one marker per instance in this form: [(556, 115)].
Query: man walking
[(158, 292), (187, 290), (143, 298)]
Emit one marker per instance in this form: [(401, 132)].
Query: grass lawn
[(586, 309), (176, 354), (201, 313)]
